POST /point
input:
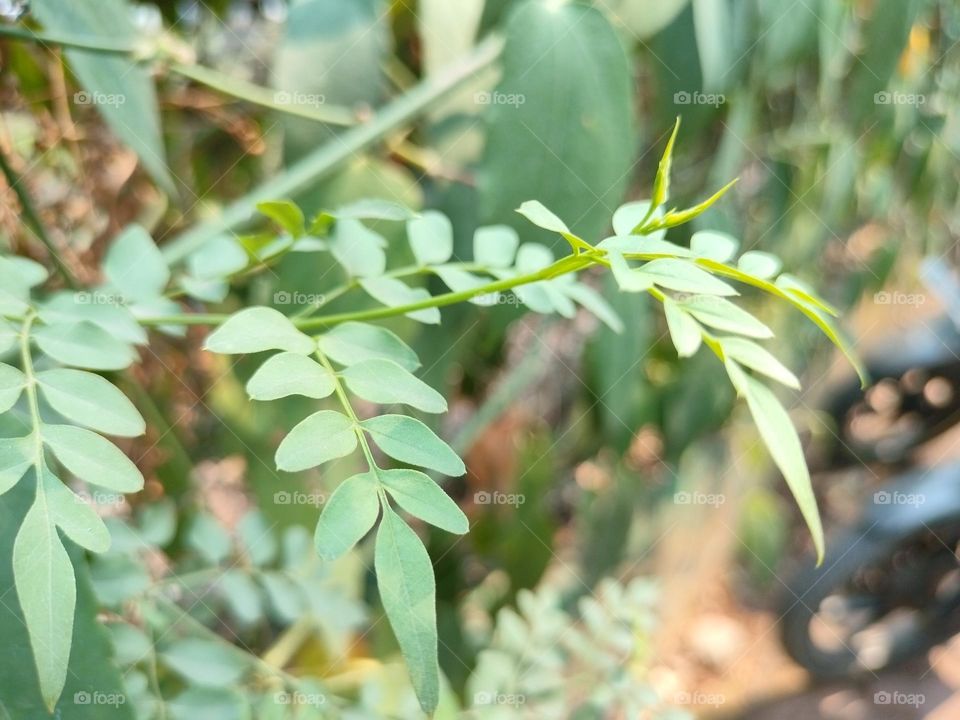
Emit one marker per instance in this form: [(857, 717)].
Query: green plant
[(341, 355)]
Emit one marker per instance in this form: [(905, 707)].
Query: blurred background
[(632, 552)]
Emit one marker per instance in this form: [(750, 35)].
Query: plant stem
[(348, 409), (331, 155)]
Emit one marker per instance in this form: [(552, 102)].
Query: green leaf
[(134, 265), (420, 496), (535, 212), (781, 439), (683, 276), (119, 86), (722, 314), (242, 596), (760, 264), (495, 246), (209, 538), (208, 703), (395, 293), (284, 596), (571, 146), (684, 330), (204, 662), (16, 455), (85, 345), (645, 244), (459, 280), (386, 383), (115, 320), (595, 303), (354, 342), (431, 238), (12, 382), (717, 246), (661, 184), (9, 335), (755, 357), (630, 217), (358, 249), (74, 516), (257, 329), (257, 538), (287, 374), (347, 516), (408, 593), (46, 587), (286, 214), (628, 279), (88, 399), (409, 440), (218, 258), (323, 436), (92, 458), (802, 291)]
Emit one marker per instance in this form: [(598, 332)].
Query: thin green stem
[(33, 403), (348, 409)]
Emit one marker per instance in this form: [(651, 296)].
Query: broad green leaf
[(12, 382), (760, 264), (204, 662), (395, 293), (130, 643), (374, 209), (29, 272), (535, 212), (755, 357), (209, 538), (289, 373), (386, 383), (459, 280), (88, 399), (257, 538), (353, 342), (347, 516), (284, 596), (661, 183), (116, 320), (242, 596), (16, 455), (628, 279), (323, 436), (683, 276), (119, 86), (85, 345), (495, 246), (46, 588), (286, 214), (117, 578), (781, 439), (408, 593), (208, 703), (595, 303), (9, 335), (205, 290), (571, 147), (722, 314), (431, 238), (644, 244), (358, 249), (92, 458), (134, 265), (218, 258), (409, 440), (74, 516), (684, 330), (420, 496), (717, 246), (257, 329)]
